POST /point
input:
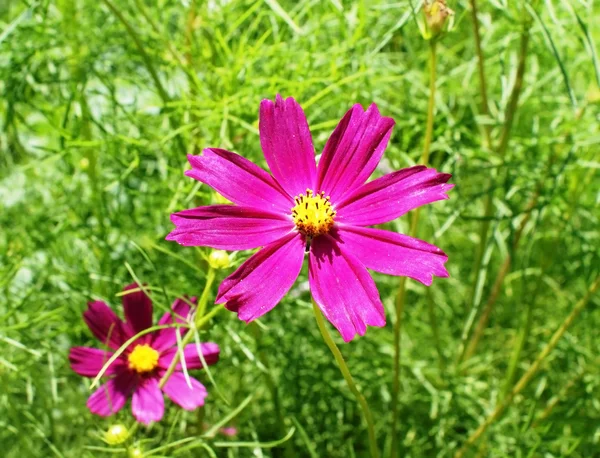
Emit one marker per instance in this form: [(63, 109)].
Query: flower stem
[(210, 278), (531, 372), (431, 104), (509, 115), (482, 80), (349, 380), (400, 297), (198, 321)]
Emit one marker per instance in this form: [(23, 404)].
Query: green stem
[(511, 108), (400, 297), (349, 380), (199, 320), (531, 372), (509, 115), (210, 278), (520, 344), (481, 67), (431, 104)]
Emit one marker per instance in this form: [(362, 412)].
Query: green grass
[(99, 107)]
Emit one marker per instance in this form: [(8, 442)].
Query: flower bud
[(116, 434), (436, 15), (218, 259), (135, 452)]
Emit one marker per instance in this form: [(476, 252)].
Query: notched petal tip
[(266, 104), (192, 159), (444, 273), (374, 109), (348, 337), (236, 306), (445, 188)]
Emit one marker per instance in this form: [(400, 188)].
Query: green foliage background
[(100, 104)]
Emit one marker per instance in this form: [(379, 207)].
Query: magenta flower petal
[(106, 325), (138, 311), (393, 195), (228, 227), (353, 151), (394, 254), (88, 361), (166, 338), (182, 394), (260, 282), (343, 289), (287, 144), (239, 180), (148, 404), (110, 397), (210, 352)]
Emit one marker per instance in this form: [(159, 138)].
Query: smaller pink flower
[(229, 431), (138, 370)]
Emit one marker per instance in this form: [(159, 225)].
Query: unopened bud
[(436, 15), (116, 434), (218, 259), (136, 452)]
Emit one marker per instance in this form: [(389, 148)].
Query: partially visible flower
[(229, 431), (138, 370), (116, 434), (324, 210), (436, 15), (219, 259)]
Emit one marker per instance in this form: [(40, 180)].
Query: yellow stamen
[(313, 214), (143, 358)]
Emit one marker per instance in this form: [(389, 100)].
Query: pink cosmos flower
[(324, 209), (138, 370)]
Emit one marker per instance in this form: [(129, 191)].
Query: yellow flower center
[(143, 358), (313, 214)]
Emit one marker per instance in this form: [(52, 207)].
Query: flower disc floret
[(143, 359), (313, 214)]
